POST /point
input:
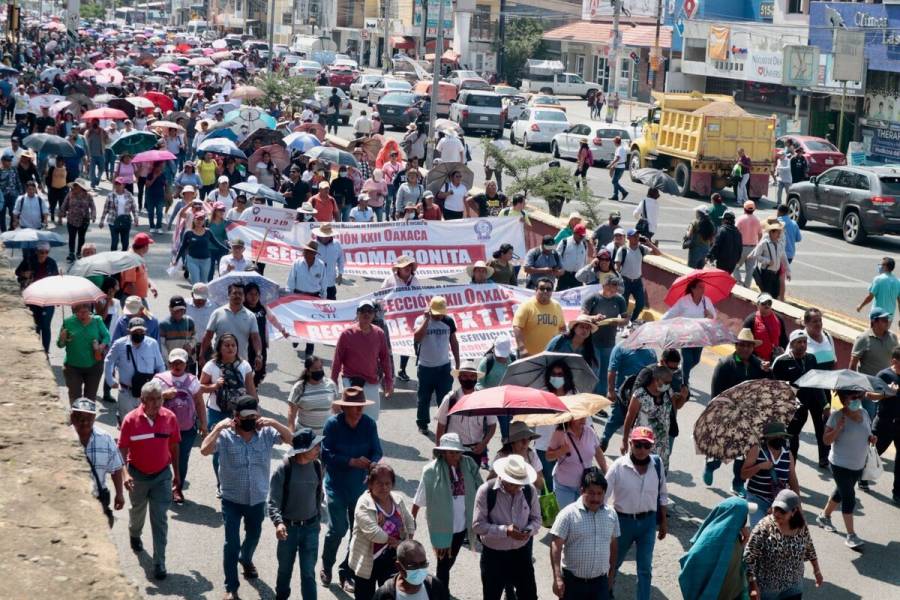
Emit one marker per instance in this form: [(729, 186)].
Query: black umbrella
[(655, 178), (49, 144), (124, 105)]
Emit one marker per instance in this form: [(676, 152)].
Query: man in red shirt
[(326, 207), (135, 281), (148, 440), (768, 328), (361, 354)]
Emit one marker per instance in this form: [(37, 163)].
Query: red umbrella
[(104, 113), (718, 285), (508, 400), (153, 156), (161, 100)]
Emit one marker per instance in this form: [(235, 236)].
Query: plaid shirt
[(78, 210), (10, 186), (365, 169), (586, 536), (244, 466), (110, 212), (102, 452)]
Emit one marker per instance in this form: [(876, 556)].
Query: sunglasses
[(545, 289), (642, 445)]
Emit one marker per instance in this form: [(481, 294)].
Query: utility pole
[(271, 36), (655, 54), (435, 83), (616, 46), (387, 35), (501, 36)]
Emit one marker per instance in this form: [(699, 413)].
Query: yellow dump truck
[(695, 137)]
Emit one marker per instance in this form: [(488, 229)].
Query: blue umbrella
[(257, 189), (221, 146), (301, 141), (222, 133), (218, 287), (30, 238)]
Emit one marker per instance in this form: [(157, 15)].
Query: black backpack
[(528, 490), (227, 397), (623, 394)]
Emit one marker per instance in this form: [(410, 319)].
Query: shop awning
[(447, 57), (640, 36), (404, 42), (430, 44)]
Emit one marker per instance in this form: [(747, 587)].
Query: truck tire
[(683, 178), (795, 211), (852, 227), (634, 163)]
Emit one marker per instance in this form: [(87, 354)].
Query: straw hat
[(353, 396), (82, 183), (479, 265), (773, 225), (513, 469), (404, 261), (583, 319), (467, 366), (323, 230), (746, 335), (307, 208), (438, 306)]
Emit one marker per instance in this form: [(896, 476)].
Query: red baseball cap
[(580, 229), (141, 240), (642, 434)]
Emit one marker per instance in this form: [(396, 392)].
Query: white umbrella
[(140, 102)]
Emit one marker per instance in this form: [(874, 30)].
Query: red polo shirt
[(146, 443)]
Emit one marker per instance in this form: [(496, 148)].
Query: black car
[(394, 109)]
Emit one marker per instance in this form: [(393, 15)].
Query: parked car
[(600, 141), (506, 90), (537, 126), (479, 111), (323, 93), (306, 69), (514, 105), (820, 153), (340, 77), (359, 89), (386, 86), (474, 83), (545, 101), (397, 109), (862, 201), (458, 75)]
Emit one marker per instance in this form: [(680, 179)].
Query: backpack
[(491, 359), (286, 488), (227, 397), (623, 394), (528, 490), (183, 403)]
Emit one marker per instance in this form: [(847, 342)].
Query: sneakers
[(402, 376), (739, 490), (707, 476), (853, 541), (825, 523), (864, 485)]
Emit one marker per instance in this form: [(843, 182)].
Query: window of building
[(579, 64), (695, 49), (601, 71), (795, 7), (287, 18)]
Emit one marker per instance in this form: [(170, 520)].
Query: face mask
[(248, 424), (663, 388), (854, 405), (416, 576), (879, 269), (467, 384), (137, 338), (557, 382), (316, 375)]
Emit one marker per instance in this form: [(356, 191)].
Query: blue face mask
[(854, 405), (557, 382), (416, 576)]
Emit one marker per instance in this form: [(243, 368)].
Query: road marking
[(824, 283)]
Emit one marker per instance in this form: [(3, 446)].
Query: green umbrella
[(134, 142)]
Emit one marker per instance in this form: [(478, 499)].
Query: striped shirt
[(761, 484), (102, 452), (313, 401), (587, 536)]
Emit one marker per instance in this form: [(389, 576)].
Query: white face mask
[(663, 387), (557, 382)]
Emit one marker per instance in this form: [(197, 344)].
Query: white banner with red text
[(439, 247), (482, 312)]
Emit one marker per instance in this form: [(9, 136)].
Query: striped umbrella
[(61, 290)]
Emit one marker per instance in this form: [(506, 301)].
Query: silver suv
[(479, 111)]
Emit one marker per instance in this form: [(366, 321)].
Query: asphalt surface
[(195, 529)]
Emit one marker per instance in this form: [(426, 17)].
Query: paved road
[(827, 271), (196, 536)]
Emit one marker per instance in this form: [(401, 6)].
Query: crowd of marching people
[(186, 370)]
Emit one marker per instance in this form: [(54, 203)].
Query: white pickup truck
[(558, 84)]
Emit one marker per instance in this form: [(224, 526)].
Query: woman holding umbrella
[(376, 188), (574, 446), (849, 431), (577, 340), (33, 268), (769, 468), (79, 211), (651, 406), (266, 170), (126, 171), (697, 305), (557, 380), (518, 441), (85, 339)]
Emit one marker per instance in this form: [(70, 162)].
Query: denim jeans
[(155, 212), (782, 186), (615, 421), (565, 495), (379, 213), (690, 358), (155, 492), (97, 169), (762, 508), (617, 187), (736, 481), (795, 592), (435, 381), (188, 436), (235, 551), (301, 544), (198, 269), (118, 235), (585, 589), (641, 532), (341, 504), (345, 212), (634, 288), (602, 354)]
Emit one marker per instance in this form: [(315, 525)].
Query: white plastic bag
[(172, 271), (874, 467)]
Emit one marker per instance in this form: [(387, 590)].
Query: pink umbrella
[(208, 51), (171, 66), (153, 156), (112, 76), (201, 61), (277, 153), (680, 332), (104, 113), (61, 290), (88, 73), (104, 64)]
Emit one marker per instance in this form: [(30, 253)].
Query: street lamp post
[(435, 83)]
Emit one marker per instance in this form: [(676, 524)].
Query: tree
[(92, 10), (280, 89), (523, 41)]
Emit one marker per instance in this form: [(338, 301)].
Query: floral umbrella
[(733, 421), (681, 332)]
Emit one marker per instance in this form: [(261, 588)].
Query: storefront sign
[(482, 313), (766, 10), (431, 23), (879, 22), (593, 9), (882, 142)]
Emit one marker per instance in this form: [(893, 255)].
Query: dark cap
[(548, 240), (774, 429), (137, 323), (728, 216), (177, 302), (246, 406), (304, 440)]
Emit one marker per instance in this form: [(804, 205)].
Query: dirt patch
[(54, 539)]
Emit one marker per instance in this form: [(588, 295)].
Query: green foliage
[(523, 41), (92, 10), (281, 89)]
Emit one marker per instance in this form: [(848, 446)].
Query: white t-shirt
[(451, 149), (456, 200), (361, 216), (622, 155), (121, 201), (212, 369), (228, 199), (459, 503), (231, 261)]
